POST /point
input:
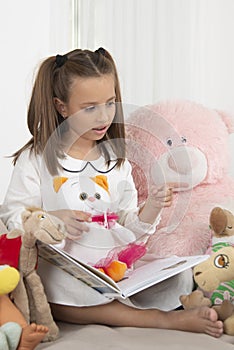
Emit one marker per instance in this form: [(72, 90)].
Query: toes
[(215, 330), (42, 329), (33, 326), (213, 315)]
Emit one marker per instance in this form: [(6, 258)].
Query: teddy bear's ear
[(25, 215), (228, 120)]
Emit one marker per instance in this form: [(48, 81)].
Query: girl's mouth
[(101, 129)]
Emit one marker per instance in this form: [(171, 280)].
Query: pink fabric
[(129, 255), (108, 220), (159, 128)]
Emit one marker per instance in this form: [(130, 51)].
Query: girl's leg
[(200, 320), (9, 312), (31, 334)]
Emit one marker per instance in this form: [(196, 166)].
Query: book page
[(157, 271), (87, 274), (136, 280)]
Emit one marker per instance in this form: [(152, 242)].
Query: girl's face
[(91, 106)]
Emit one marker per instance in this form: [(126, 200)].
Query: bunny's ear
[(228, 120), (26, 214), (58, 181)]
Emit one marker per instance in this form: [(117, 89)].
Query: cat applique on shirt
[(93, 195)]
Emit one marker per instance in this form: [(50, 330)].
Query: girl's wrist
[(149, 213)]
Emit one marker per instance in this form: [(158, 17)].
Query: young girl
[(76, 121)]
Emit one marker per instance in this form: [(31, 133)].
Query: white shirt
[(32, 185)]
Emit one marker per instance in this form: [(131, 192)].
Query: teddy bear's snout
[(183, 159), (180, 164)]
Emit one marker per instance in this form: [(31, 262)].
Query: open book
[(136, 280)]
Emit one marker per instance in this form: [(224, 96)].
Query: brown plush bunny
[(29, 295), (222, 225)]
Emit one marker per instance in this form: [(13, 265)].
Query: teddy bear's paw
[(52, 334), (224, 310), (195, 299), (228, 325)]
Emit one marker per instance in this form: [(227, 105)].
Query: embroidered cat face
[(83, 193)]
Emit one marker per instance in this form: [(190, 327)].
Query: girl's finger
[(74, 233), (74, 237), (174, 186), (74, 225), (82, 216), (162, 193)]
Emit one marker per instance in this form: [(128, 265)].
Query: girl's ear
[(60, 107)]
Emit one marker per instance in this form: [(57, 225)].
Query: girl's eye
[(229, 227), (169, 142), (183, 139), (83, 196), (90, 109), (111, 104), (97, 196)]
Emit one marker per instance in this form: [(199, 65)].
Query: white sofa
[(97, 337)]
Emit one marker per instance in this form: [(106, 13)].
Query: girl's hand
[(159, 198), (74, 221)]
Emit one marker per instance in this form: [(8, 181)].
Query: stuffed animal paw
[(195, 299)]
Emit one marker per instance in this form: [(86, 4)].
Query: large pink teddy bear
[(186, 143)]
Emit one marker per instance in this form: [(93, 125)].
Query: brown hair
[(54, 79)]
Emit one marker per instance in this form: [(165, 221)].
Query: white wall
[(166, 49), (29, 31)]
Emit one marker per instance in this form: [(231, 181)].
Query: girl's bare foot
[(31, 336), (199, 320)]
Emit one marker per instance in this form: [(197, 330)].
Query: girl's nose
[(103, 115)]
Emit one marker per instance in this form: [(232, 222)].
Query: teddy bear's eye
[(41, 216), (183, 139), (169, 142), (97, 196), (83, 196), (221, 261)]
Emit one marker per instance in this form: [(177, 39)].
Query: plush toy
[(106, 237), (222, 226), (211, 277), (15, 333), (29, 295), (195, 299), (186, 143)]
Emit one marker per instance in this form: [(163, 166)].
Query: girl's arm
[(23, 190), (159, 197), (141, 220)]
